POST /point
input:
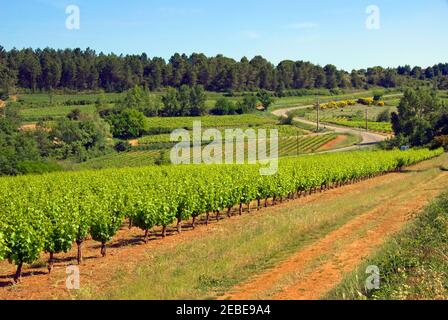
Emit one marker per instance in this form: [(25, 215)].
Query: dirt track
[(313, 271)]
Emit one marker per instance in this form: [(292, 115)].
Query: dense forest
[(86, 70)]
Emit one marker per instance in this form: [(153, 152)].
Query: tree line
[(76, 69), (421, 120)]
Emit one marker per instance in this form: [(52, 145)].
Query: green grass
[(384, 127), (44, 99), (204, 267), (413, 265), (349, 112), (291, 102), (51, 113)]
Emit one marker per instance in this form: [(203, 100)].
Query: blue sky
[(321, 31)]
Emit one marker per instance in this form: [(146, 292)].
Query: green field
[(357, 111), (165, 125), (384, 127), (288, 146), (283, 130), (52, 113), (291, 102), (45, 99), (42, 106)]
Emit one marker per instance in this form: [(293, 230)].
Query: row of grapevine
[(291, 146), (51, 213)]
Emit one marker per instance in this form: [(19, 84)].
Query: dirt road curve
[(368, 138)]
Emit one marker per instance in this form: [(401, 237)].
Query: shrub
[(377, 95), (366, 101), (37, 167), (223, 107), (332, 104), (122, 146), (384, 116), (440, 141), (75, 114), (128, 123), (336, 91), (287, 120), (342, 104)]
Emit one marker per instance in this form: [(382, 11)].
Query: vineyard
[(291, 146), (288, 146), (283, 130), (53, 212), (384, 127), (169, 124)]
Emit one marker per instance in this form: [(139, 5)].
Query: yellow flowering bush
[(366, 101), (342, 104)]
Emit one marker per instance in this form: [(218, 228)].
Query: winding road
[(368, 138)]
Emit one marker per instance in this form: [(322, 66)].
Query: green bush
[(122, 146), (37, 167), (128, 123)]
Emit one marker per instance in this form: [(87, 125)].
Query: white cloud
[(303, 25)]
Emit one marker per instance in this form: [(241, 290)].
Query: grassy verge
[(413, 265)]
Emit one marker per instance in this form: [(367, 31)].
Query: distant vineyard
[(166, 125), (284, 131), (384, 127), (50, 213), (291, 146), (121, 160), (288, 146)]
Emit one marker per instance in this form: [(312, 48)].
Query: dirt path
[(332, 144), (313, 271), (28, 127)]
